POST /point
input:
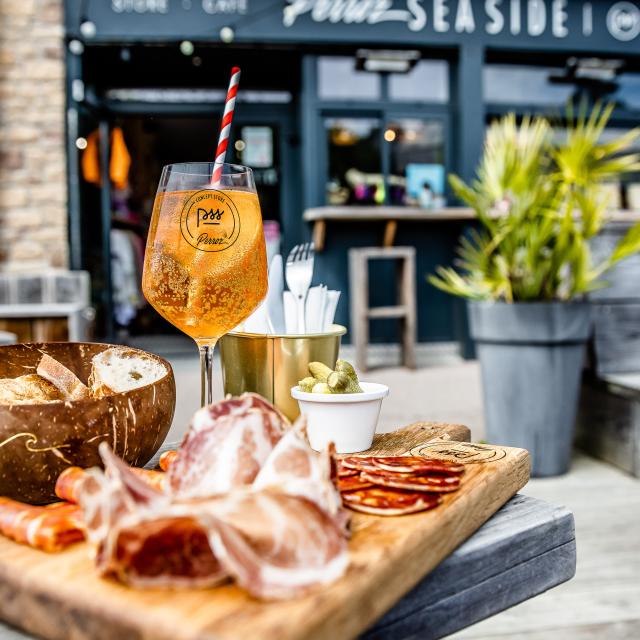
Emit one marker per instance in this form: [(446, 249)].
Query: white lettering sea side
[(531, 17), (496, 19)]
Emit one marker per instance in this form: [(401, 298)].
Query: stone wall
[(33, 194)]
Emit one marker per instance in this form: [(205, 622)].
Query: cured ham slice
[(433, 483), (139, 540), (381, 501), (162, 552), (276, 538), (295, 469), (225, 447), (112, 498), (276, 545), (50, 528)]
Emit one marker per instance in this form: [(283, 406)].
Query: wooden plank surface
[(525, 549), (60, 596)]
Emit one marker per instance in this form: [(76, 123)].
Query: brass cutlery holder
[(271, 364)]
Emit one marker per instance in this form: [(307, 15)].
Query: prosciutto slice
[(276, 545), (138, 538), (225, 447), (276, 538), (295, 469)]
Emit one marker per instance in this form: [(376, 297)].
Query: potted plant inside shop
[(527, 270)]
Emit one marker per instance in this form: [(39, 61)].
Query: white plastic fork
[(298, 275)]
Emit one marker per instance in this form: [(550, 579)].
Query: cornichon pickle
[(306, 384), (340, 382), (319, 371), (345, 367), (321, 387)]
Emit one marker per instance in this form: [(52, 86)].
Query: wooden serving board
[(59, 596)]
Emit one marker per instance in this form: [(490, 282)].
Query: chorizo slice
[(167, 459), (352, 483), (359, 463), (417, 465), (382, 501), (51, 528), (345, 471), (437, 484)]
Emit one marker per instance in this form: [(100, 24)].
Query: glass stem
[(206, 373)]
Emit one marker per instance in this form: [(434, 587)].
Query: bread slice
[(120, 369), (69, 385), (28, 389)]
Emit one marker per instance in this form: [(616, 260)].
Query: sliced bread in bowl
[(28, 389), (69, 385), (121, 369)]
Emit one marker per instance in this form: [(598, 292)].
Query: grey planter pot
[(531, 357)]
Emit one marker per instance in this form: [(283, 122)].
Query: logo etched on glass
[(210, 221)]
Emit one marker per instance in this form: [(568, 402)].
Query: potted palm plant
[(528, 268)]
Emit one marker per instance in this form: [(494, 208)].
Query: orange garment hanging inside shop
[(119, 161)]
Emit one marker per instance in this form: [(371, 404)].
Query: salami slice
[(416, 465), (352, 483), (437, 484), (345, 471), (359, 463), (381, 501)]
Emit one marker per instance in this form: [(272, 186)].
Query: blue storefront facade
[(344, 103)]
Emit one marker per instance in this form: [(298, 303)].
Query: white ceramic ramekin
[(347, 419)]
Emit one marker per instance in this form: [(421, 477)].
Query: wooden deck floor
[(603, 601)]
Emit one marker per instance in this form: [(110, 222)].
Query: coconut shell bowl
[(39, 441)]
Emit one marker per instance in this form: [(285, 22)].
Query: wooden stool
[(405, 310)]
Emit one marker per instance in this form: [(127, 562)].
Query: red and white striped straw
[(225, 126)]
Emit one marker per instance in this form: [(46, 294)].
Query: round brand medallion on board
[(466, 452), (210, 221)]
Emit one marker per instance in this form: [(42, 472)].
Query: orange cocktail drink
[(205, 264), (205, 267)]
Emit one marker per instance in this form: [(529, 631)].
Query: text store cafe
[(343, 104)]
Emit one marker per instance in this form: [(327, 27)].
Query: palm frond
[(539, 203)]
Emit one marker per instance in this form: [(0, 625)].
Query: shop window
[(428, 81), (355, 166), (339, 80), (417, 168), (520, 84), (628, 92)]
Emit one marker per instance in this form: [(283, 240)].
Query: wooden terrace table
[(526, 548)]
